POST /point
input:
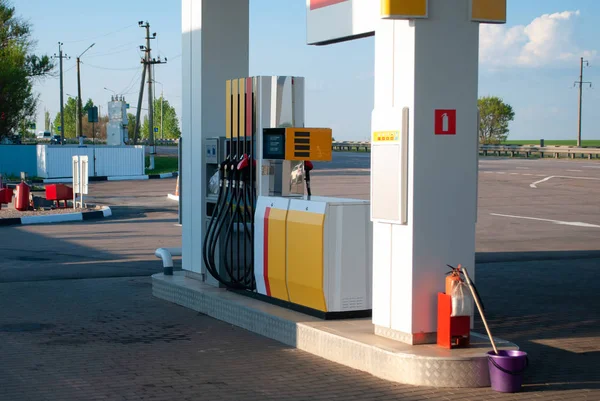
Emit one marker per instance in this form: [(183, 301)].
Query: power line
[(69, 69), (109, 53), (102, 36), (131, 83), (110, 68)]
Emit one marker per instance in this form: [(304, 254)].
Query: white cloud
[(547, 40)]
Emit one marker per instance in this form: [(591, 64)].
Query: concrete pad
[(348, 342)]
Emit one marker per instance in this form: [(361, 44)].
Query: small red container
[(6, 195), (452, 332), (59, 192)]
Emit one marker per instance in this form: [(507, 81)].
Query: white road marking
[(500, 172), (488, 172), (514, 174), (528, 174), (563, 223), (523, 168), (591, 166), (534, 185), (575, 171)]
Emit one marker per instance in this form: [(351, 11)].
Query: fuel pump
[(231, 224), (268, 236)]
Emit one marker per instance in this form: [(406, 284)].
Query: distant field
[(592, 142)]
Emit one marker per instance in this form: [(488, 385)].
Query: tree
[(88, 105), (171, 122), (495, 117), (70, 111), (47, 121), (130, 125), (18, 70)]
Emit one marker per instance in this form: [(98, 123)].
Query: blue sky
[(532, 62)]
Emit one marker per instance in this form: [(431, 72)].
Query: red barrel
[(22, 197), (6, 195)]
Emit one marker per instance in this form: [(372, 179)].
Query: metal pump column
[(424, 156)]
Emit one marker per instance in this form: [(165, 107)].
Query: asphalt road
[(79, 320)]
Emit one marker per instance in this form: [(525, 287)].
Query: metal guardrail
[(542, 151), (351, 146), (499, 150)]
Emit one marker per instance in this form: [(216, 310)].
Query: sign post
[(80, 179), (93, 118)]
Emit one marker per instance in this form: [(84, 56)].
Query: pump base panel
[(352, 343), (306, 310)]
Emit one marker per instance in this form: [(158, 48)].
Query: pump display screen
[(274, 144)]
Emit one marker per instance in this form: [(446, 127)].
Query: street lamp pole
[(79, 105)]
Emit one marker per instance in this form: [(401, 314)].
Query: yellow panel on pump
[(228, 109), (242, 106), (490, 11), (276, 253), (308, 144), (403, 9), (305, 259), (235, 121)]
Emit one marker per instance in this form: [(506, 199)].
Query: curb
[(57, 218)]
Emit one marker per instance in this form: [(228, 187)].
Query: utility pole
[(79, 105), (149, 63), (581, 83), (79, 125), (139, 108), (62, 100)]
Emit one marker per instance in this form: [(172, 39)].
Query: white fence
[(55, 161)]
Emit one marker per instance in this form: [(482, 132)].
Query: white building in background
[(116, 131)]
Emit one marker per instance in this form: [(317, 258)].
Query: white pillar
[(423, 65), (215, 49)]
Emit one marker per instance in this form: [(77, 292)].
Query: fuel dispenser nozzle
[(308, 166)]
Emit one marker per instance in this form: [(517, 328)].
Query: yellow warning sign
[(403, 9), (386, 136), (488, 11)]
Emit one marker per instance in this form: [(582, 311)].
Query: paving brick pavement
[(109, 339)]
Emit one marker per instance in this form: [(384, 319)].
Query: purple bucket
[(506, 370)]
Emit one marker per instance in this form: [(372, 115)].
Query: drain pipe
[(166, 254)]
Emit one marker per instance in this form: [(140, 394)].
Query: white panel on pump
[(261, 232), (389, 166)]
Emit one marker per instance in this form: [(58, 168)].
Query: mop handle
[(480, 310)]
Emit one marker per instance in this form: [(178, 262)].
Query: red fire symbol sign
[(445, 122)]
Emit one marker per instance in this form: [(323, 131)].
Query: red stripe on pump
[(249, 107), (314, 4), (266, 251)]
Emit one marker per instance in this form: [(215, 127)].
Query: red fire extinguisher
[(22, 197)]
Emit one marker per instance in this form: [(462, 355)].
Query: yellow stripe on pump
[(276, 253), (305, 259), (235, 109), (242, 106)]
